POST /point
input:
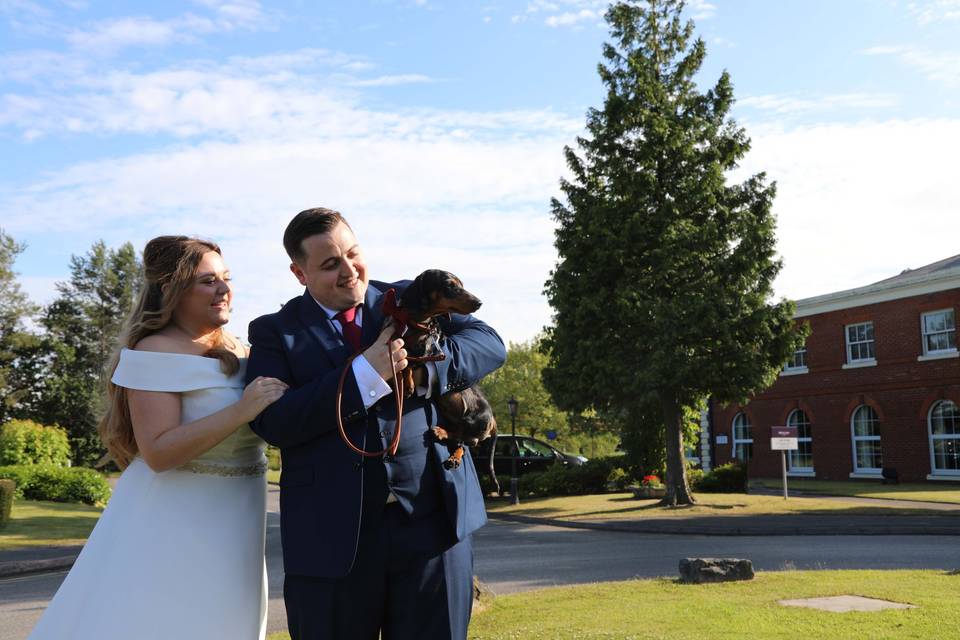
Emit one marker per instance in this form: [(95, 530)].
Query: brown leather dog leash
[(397, 393), (400, 319)]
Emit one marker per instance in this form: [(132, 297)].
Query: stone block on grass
[(700, 570)]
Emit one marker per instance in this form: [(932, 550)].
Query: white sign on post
[(784, 439)]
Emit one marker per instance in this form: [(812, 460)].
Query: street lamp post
[(514, 495)]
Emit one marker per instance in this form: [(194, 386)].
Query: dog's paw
[(441, 434), (453, 462)]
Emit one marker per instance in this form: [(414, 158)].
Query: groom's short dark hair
[(310, 222)]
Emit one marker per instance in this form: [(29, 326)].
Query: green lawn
[(35, 523), (618, 506), (860, 489), (273, 475), (663, 609), (666, 609)]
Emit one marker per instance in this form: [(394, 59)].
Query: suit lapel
[(315, 320), (372, 316)]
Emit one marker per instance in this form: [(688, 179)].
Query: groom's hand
[(386, 355)]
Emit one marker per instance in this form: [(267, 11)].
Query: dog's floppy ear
[(413, 298)]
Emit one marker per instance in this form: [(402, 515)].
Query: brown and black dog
[(466, 416)]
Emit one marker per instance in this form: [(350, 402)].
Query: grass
[(36, 523), (273, 475), (915, 491), (619, 506), (665, 609)]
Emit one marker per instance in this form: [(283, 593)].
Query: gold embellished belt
[(214, 469)]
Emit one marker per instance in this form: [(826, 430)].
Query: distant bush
[(28, 442), (7, 489), (728, 478), (273, 458), (598, 475), (57, 484), (694, 477)]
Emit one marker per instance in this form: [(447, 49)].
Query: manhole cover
[(841, 604)]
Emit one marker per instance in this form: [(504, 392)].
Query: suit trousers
[(410, 580)]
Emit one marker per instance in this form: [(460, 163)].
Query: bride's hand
[(260, 394)]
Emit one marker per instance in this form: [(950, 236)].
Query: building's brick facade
[(899, 387)]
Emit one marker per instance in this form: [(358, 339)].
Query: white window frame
[(791, 468), (924, 334), (741, 441), (934, 472), (791, 368), (858, 470), (855, 362)]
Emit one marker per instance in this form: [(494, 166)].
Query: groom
[(379, 544)]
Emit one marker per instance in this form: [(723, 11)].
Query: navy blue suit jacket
[(321, 485)]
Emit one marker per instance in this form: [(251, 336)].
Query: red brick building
[(876, 387)]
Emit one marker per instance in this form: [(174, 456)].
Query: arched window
[(865, 427), (801, 459), (742, 437), (944, 426)]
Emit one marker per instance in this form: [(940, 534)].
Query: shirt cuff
[(372, 387)]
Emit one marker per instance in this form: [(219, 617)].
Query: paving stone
[(843, 604)]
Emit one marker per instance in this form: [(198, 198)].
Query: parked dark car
[(531, 455)]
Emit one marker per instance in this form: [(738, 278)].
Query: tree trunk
[(678, 493)]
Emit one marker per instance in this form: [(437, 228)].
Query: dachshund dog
[(466, 416)]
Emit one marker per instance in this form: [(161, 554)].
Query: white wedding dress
[(176, 555)]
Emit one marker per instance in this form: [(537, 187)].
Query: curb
[(28, 567), (841, 526)]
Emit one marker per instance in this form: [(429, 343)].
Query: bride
[(178, 552)]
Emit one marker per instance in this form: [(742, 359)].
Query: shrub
[(728, 478), (694, 478), (27, 442), (58, 484), (598, 475), (273, 458), (618, 479), (7, 489)]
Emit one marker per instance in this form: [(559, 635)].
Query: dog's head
[(435, 293)]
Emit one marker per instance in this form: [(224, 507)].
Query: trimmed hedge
[(7, 489), (58, 484), (28, 442), (727, 478)]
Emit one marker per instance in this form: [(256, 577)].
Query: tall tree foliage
[(521, 377), (82, 326), (663, 287), (15, 340)]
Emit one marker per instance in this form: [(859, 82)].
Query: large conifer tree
[(663, 289)]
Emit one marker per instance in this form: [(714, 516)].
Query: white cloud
[(277, 96), (392, 81), (931, 11), (569, 19), (942, 67), (123, 32), (702, 9), (860, 202), (787, 104), (111, 35)]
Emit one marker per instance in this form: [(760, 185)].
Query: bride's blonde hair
[(169, 268)]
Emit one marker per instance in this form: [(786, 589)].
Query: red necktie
[(351, 331)]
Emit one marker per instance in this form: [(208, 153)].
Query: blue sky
[(437, 128)]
